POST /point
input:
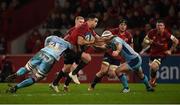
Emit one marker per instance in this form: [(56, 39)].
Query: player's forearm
[(175, 43), (118, 48), (84, 42)]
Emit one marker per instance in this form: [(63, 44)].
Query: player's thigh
[(66, 67), (34, 61), (134, 63), (86, 57), (111, 71), (104, 69), (46, 64), (123, 68), (69, 57)]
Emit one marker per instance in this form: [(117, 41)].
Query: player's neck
[(121, 32)]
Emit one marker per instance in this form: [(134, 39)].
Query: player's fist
[(115, 53)]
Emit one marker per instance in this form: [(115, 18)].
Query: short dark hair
[(160, 21), (91, 16), (122, 21)]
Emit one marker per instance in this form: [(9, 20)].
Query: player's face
[(94, 22), (79, 22), (160, 27), (123, 26)]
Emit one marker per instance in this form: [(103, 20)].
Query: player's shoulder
[(166, 31), (71, 29), (128, 33), (152, 32), (83, 26), (114, 30)]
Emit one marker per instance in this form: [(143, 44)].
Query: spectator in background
[(53, 21), (46, 34), (6, 68), (3, 45), (34, 42)]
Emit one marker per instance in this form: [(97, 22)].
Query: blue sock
[(25, 83), (145, 81), (21, 71), (124, 80)]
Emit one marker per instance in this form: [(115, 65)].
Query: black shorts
[(70, 57), (111, 60)]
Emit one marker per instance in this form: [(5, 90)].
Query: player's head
[(79, 20), (92, 20), (122, 25), (160, 26), (107, 36)]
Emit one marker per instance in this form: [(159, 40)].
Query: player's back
[(55, 46), (127, 52)]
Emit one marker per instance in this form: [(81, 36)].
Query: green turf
[(104, 94)]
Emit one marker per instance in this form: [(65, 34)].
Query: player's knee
[(111, 74), (117, 71), (38, 77), (86, 57), (101, 73), (66, 68)]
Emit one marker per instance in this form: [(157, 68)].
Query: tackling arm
[(118, 49)]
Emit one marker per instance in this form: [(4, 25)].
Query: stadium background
[(25, 24)]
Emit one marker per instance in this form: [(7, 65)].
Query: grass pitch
[(103, 94)]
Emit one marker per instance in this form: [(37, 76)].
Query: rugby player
[(158, 41), (41, 63), (70, 60), (132, 59), (110, 63)]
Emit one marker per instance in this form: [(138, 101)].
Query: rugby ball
[(89, 37)]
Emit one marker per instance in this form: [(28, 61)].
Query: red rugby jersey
[(160, 42)]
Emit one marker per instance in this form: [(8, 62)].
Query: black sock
[(58, 77), (153, 73), (68, 80), (81, 65), (95, 81)]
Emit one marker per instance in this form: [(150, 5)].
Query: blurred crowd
[(7, 7), (137, 12), (140, 14)]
